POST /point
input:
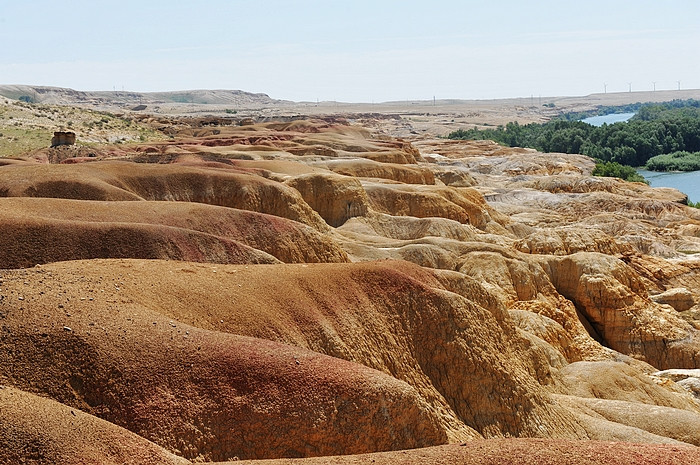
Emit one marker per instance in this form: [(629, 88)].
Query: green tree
[(616, 170), (656, 130)]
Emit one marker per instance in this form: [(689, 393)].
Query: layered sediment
[(307, 289)]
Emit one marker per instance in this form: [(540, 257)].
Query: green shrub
[(613, 169)]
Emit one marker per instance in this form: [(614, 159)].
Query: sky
[(354, 51)]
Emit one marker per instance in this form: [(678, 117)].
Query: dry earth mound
[(39, 430), (37, 231), (80, 339), (363, 168), (524, 297), (110, 181), (395, 317), (520, 452)]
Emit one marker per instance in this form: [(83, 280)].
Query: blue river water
[(686, 182), (610, 118)]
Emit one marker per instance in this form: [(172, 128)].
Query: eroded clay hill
[(309, 289)]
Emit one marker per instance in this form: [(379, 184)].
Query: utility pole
[(679, 85), (654, 82), (605, 87), (630, 86)]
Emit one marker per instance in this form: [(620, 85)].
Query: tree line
[(671, 128)]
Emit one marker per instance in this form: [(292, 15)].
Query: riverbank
[(687, 182)]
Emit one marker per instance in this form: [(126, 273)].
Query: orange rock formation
[(306, 289), (62, 138)]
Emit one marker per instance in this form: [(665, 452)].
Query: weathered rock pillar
[(63, 138)]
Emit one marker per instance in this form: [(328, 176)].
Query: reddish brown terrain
[(311, 288)]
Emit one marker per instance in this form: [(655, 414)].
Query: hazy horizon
[(359, 51), (430, 100)]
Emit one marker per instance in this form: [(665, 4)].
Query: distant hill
[(65, 96)]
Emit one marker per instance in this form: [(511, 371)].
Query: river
[(609, 118), (687, 182)]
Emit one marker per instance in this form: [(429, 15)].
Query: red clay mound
[(45, 230), (38, 430), (81, 182), (138, 181), (28, 242), (391, 316), (79, 338), (520, 452)]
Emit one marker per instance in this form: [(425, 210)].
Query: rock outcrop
[(109, 181), (687, 379), (63, 138), (335, 198), (680, 299)]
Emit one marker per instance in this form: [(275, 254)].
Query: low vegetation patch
[(676, 161), (15, 141)]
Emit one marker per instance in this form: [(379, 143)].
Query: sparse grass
[(27, 127), (16, 141)]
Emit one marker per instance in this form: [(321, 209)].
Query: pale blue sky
[(353, 50)]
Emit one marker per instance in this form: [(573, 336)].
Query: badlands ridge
[(310, 288)]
